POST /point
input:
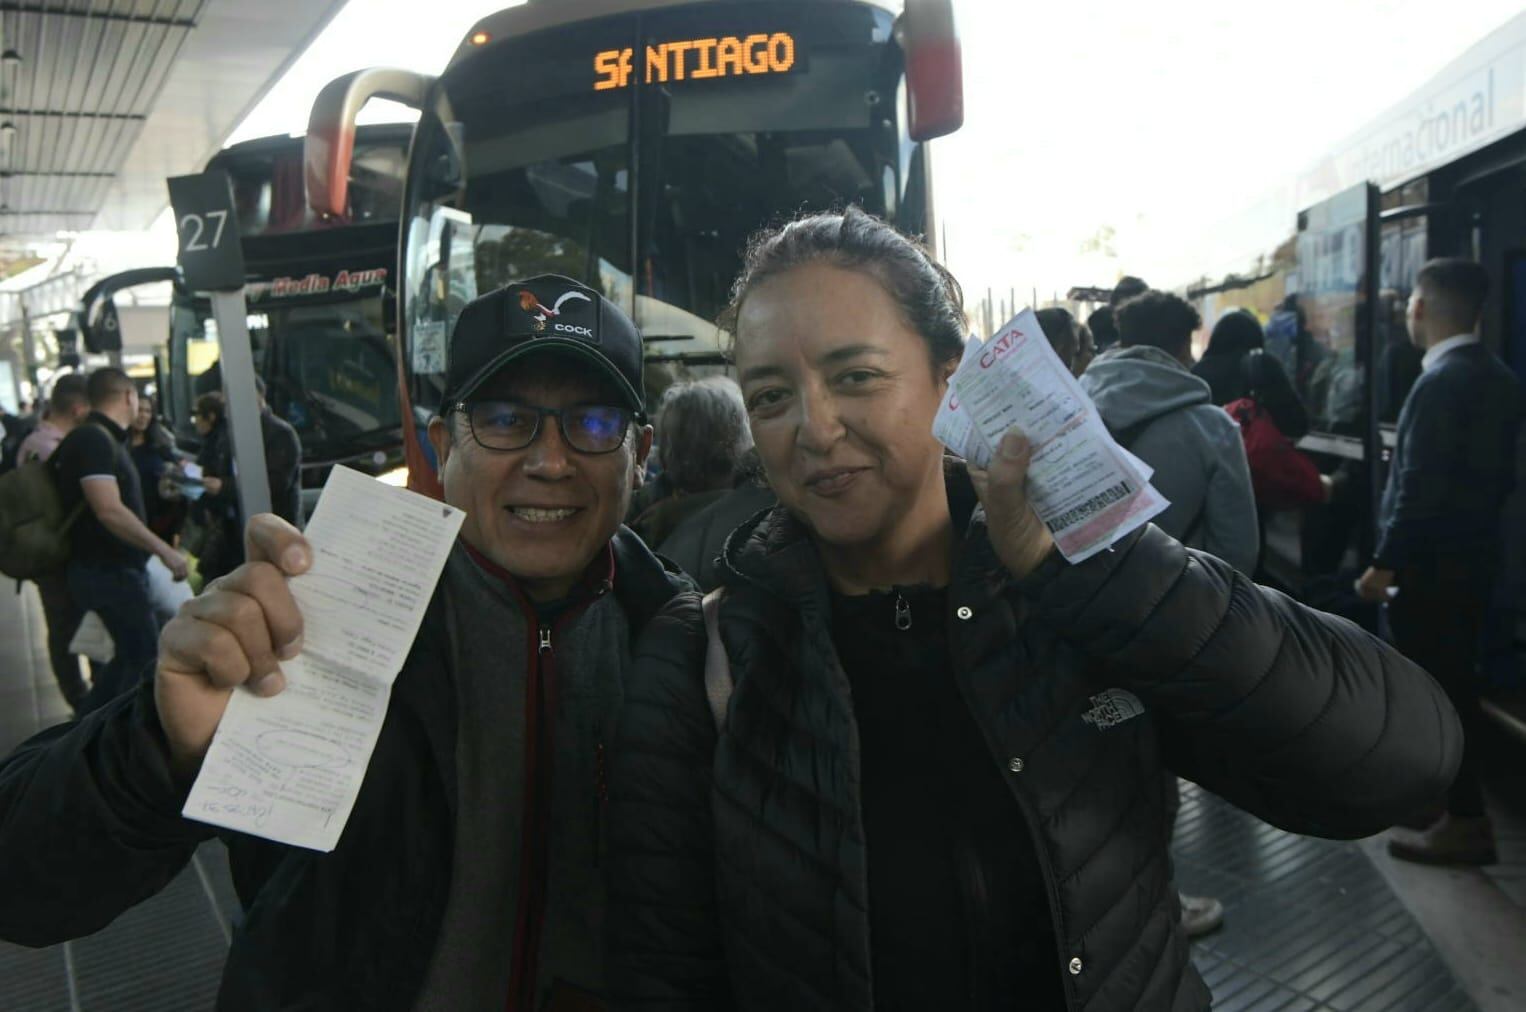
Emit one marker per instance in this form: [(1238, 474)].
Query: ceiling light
[(481, 38), (10, 66)]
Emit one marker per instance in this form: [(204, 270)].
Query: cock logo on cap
[(530, 304)]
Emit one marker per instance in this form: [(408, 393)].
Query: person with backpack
[(110, 542), (1153, 405), (68, 406), (1253, 387), (1235, 365)]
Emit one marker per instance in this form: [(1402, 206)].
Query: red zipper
[(540, 762)]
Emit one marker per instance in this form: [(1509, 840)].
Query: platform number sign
[(211, 257)]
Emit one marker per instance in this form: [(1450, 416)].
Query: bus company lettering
[(313, 284), (572, 328), (318, 284), (694, 59), (354, 281), (1000, 348)]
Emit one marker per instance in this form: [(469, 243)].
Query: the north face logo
[(1112, 708)]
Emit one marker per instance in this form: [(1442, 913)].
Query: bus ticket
[(1088, 490), (289, 767)]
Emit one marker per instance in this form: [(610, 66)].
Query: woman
[(1232, 372), (153, 453), (217, 511), (938, 782), (702, 434), (1072, 341)]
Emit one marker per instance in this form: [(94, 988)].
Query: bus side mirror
[(934, 69), (330, 143)]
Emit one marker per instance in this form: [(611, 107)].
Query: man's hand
[(174, 562), (1020, 538), (1375, 585), (235, 633)]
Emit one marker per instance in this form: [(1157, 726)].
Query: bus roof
[(538, 14), (370, 133), (1470, 103)]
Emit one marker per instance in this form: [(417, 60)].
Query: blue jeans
[(119, 594)]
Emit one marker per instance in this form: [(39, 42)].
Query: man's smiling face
[(545, 511)]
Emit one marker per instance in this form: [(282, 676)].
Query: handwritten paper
[(289, 767), (1088, 490)]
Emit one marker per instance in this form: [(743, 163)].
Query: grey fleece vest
[(590, 652)]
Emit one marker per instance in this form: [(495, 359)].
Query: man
[(68, 406), (283, 460), (468, 874), (1154, 406), (110, 542), (283, 466), (1440, 542), (1127, 288)]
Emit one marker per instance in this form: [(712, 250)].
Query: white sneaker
[(1200, 914)]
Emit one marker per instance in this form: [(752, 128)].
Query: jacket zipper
[(601, 802), (532, 863), (1046, 866), (540, 769)]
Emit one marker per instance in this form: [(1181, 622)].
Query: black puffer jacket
[(90, 825), (1292, 714)]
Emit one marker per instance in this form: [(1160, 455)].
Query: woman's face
[(145, 415), (840, 396)]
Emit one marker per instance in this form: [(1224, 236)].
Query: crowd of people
[(140, 514), (900, 753)]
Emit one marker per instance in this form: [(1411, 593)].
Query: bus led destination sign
[(694, 59)]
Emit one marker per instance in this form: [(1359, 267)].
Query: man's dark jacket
[(90, 825), (283, 467), (1453, 465), (1292, 714)]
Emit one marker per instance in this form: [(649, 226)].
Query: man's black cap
[(548, 313)]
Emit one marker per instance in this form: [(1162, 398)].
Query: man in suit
[(1439, 537)]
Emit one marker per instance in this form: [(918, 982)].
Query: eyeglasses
[(510, 425)]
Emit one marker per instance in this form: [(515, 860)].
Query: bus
[(1441, 173), (318, 293), (634, 145)]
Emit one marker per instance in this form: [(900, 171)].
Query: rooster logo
[(530, 304)]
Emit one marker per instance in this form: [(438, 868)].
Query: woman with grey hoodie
[(1148, 398)]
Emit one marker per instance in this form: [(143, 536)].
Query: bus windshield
[(638, 156), (269, 197), (329, 371)]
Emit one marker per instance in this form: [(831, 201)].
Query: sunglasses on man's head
[(513, 425)]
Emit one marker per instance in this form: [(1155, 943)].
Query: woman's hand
[(214, 485), (1020, 538)]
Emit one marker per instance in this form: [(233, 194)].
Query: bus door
[(1332, 358)]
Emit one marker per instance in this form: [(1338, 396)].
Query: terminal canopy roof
[(101, 100)]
